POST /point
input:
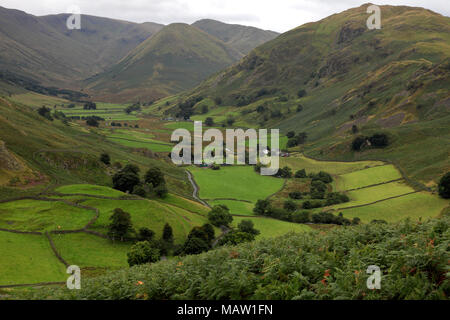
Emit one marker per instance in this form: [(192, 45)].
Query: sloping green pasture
[(28, 259), (36, 215)]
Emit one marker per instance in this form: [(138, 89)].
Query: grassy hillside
[(175, 59), (72, 207), (394, 80), (242, 38), (36, 152), (312, 265), (43, 49)]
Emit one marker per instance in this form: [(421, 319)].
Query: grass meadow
[(299, 161), (237, 182), (367, 177), (34, 215), (270, 228), (414, 206), (85, 250), (28, 259)]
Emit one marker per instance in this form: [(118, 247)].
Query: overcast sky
[(277, 15)]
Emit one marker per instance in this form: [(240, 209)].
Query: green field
[(34, 215), (28, 259), (148, 213), (272, 228), (236, 182), (367, 177), (236, 207), (186, 204), (376, 193), (85, 250), (414, 206), (299, 161), (138, 139)]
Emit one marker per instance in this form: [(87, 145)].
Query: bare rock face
[(8, 161)]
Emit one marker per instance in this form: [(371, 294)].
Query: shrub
[(209, 122), (358, 143), (139, 191), (45, 112), (209, 230), (329, 218), (301, 93), (336, 198), (324, 177), (262, 207), (295, 195), (300, 217), (120, 226), (220, 216), (194, 245), (379, 140), (311, 204), (290, 206), (167, 234), (104, 157), (142, 252), (444, 186), (154, 176), (125, 181), (92, 122), (236, 237), (300, 173), (318, 185), (145, 234), (290, 134), (247, 226), (285, 173)]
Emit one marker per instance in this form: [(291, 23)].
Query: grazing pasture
[(367, 177), (376, 193), (28, 259), (236, 182), (85, 250), (270, 228), (414, 206), (148, 213), (236, 207), (299, 161), (36, 215)]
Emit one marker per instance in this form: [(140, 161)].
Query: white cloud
[(281, 15)]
